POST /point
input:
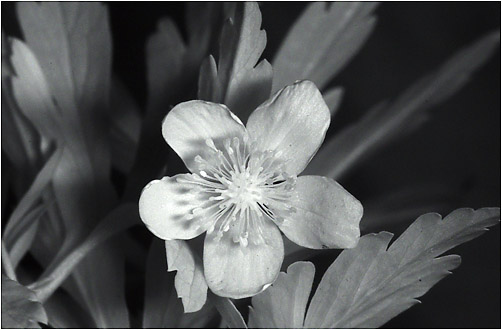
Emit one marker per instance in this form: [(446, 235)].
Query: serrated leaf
[(20, 306), (283, 305), (190, 282), (386, 122), (163, 308), (322, 41), (370, 284), (239, 82)]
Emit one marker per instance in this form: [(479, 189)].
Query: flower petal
[(294, 123), (189, 124), (327, 216), (164, 206), (235, 271)]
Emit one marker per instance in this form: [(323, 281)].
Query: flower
[(244, 188)]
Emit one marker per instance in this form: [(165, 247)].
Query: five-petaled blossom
[(244, 188)]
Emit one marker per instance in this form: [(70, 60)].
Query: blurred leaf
[(322, 41), (21, 141), (333, 98), (72, 43), (367, 286), (190, 283), (20, 306), (7, 267), (64, 312), (401, 206), (23, 243), (239, 82), (172, 68), (116, 221), (384, 122), (231, 316), (158, 310), (165, 58), (125, 127), (18, 222), (283, 305), (32, 92)]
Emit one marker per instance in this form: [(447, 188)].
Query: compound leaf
[(367, 286)]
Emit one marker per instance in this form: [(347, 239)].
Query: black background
[(459, 146)]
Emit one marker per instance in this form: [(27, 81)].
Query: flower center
[(241, 187)]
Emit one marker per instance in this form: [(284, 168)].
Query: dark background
[(459, 147)]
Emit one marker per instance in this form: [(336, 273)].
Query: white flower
[(244, 188)]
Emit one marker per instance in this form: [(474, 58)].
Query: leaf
[(322, 41), (159, 309), (118, 220), (125, 127), (228, 311), (32, 92), (239, 82), (333, 98), (21, 141), (25, 240), (190, 283), (367, 286), (385, 122), (18, 222), (163, 309), (400, 206), (283, 305), (72, 43), (165, 60), (64, 312), (20, 306)]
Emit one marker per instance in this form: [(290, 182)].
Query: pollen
[(242, 187)]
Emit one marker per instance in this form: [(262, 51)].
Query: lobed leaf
[(238, 81), (370, 284), (20, 306), (385, 122), (283, 305), (322, 41), (190, 282)]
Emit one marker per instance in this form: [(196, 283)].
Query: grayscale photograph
[(251, 165)]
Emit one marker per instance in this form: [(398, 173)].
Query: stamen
[(242, 187)]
